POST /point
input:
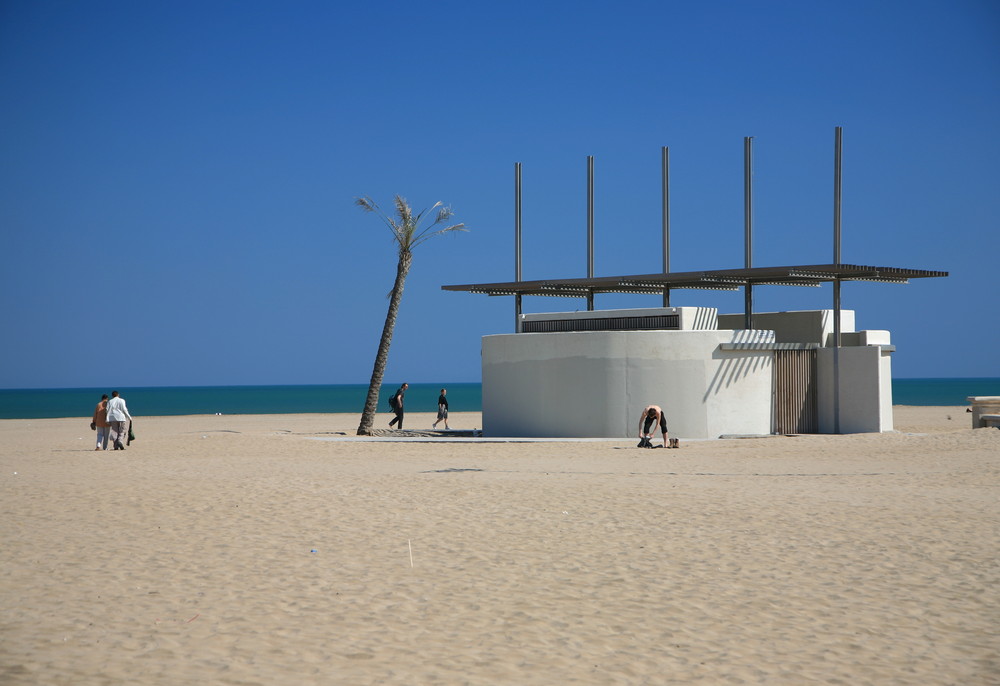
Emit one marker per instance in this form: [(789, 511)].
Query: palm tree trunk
[(382, 357)]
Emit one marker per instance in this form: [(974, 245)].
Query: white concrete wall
[(802, 326), (868, 337), (885, 389), (983, 405), (865, 389), (595, 384)]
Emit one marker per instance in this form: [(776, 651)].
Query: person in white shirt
[(119, 420)]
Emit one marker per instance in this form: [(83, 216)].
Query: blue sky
[(177, 178)]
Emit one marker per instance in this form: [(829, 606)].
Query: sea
[(350, 398)]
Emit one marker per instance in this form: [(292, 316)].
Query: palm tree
[(407, 235)]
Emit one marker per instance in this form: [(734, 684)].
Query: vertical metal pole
[(517, 244), (665, 173), (590, 227), (748, 227), (838, 150)]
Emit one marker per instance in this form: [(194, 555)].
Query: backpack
[(392, 401)]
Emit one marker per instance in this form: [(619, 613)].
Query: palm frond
[(426, 233), (367, 204), (425, 211), (403, 211), (444, 214), (405, 226)]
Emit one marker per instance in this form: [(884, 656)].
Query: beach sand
[(241, 550)]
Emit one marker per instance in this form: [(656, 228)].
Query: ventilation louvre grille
[(652, 323)]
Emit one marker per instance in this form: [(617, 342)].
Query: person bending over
[(652, 415)]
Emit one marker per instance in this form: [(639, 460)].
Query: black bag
[(131, 434), (392, 403), (93, 427)]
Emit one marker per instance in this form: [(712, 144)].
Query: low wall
[(797, 326), (983, 405)]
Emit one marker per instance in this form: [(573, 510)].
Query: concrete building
[(590, 374)]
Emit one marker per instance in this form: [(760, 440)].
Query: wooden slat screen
[(795, 408)]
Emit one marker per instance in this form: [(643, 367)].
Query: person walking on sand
[(101, 423), (652, 415), (443, 410), (119, 420), (396, 403)]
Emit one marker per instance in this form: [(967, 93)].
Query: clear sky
[(177, 178)]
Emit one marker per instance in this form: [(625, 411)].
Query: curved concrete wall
[(595, 384)]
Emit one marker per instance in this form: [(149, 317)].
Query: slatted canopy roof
[(718, 279)]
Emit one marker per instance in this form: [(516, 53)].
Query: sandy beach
[(269, 550)]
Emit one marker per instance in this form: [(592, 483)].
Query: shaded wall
[(865, 389)]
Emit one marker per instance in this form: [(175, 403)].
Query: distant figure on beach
[(118, 420), (652, 415), (443, 409), (101, 423), (396, 403)]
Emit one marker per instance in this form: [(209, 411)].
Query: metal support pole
[(836, 356), (665, 171), (838, 153), (748, 227), (517, 244), (590, 228), (838, 150)]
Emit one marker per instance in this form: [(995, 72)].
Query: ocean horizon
[(46, 403)]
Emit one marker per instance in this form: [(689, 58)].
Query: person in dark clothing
[(650, 417), (443, 410), (397, 406)]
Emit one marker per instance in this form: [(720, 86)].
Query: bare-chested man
[(652, 415)]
